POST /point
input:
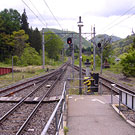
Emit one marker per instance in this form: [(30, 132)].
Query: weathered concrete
[(93, 115)]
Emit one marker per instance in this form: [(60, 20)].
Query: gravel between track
[(38, 122), (46, 109)]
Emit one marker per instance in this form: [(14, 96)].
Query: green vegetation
[(24, 43), (128, 62), (73, 90), (65, 130), (122, 45), (22, 73)]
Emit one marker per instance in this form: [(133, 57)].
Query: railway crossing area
[(94, 115)]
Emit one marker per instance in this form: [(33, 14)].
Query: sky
[(112, 17)]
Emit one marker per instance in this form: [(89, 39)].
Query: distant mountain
[(65, 34), (100, 37), (85, 43)]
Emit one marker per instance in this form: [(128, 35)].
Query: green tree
[(6, 48), (24, 22), (36, 39), (53, 45), (30, 57), (128, 62), (107, 52), (11, 21), (19, 39), (1, 25)]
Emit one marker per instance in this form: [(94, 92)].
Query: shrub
[(128, 64), (30, 57)]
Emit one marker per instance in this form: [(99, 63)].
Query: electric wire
[(34, 13), (53, 14), (112, 24), (38, 12), (119, 22)]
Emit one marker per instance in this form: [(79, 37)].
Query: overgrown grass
[(21, 73), (73, 90), (117, 69), (4, 65), (17, 76)]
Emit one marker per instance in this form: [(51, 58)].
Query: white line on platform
[(79, 98), (95, 99)]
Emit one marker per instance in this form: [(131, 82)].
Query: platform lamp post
[(80, 24)]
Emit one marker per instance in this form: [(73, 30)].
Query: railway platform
[(94, 115)]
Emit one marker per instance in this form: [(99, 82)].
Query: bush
[(30, 57), (128, 64), (15, 60)]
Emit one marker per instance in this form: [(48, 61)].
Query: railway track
[(15, 121), (24, 85), (106, 83)]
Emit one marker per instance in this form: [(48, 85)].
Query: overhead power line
[(34, 14), (112, 24), (53, 14), (38, 12), (119, 22)]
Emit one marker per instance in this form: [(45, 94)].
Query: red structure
[(5, 70)]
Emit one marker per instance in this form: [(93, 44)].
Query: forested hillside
[(17, 39), (121, 46), (65, 34)]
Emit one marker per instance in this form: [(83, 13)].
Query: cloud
[(108, 8), (99, 12)]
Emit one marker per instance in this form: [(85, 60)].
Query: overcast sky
[(107, 15)]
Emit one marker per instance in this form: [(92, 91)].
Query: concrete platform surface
[(93, 115)]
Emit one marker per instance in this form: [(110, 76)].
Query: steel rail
[(22, 101), (11, 93), (16, 91), (110, 81), (28, 81), (38, 105), (54, 112)]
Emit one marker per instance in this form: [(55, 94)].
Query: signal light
[(99, 45), (69, 40)]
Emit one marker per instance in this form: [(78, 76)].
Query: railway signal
[(69, 40), (99, 45)]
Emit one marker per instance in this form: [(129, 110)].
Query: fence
[(125, 97), (5, 70), (58, 120)]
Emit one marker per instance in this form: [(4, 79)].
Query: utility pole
[(73, 56), (80, 24), (12, 68), (94, 47), (62, 55), (43, 48), (101, 60)]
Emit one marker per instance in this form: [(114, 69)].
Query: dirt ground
[(128, 82)]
